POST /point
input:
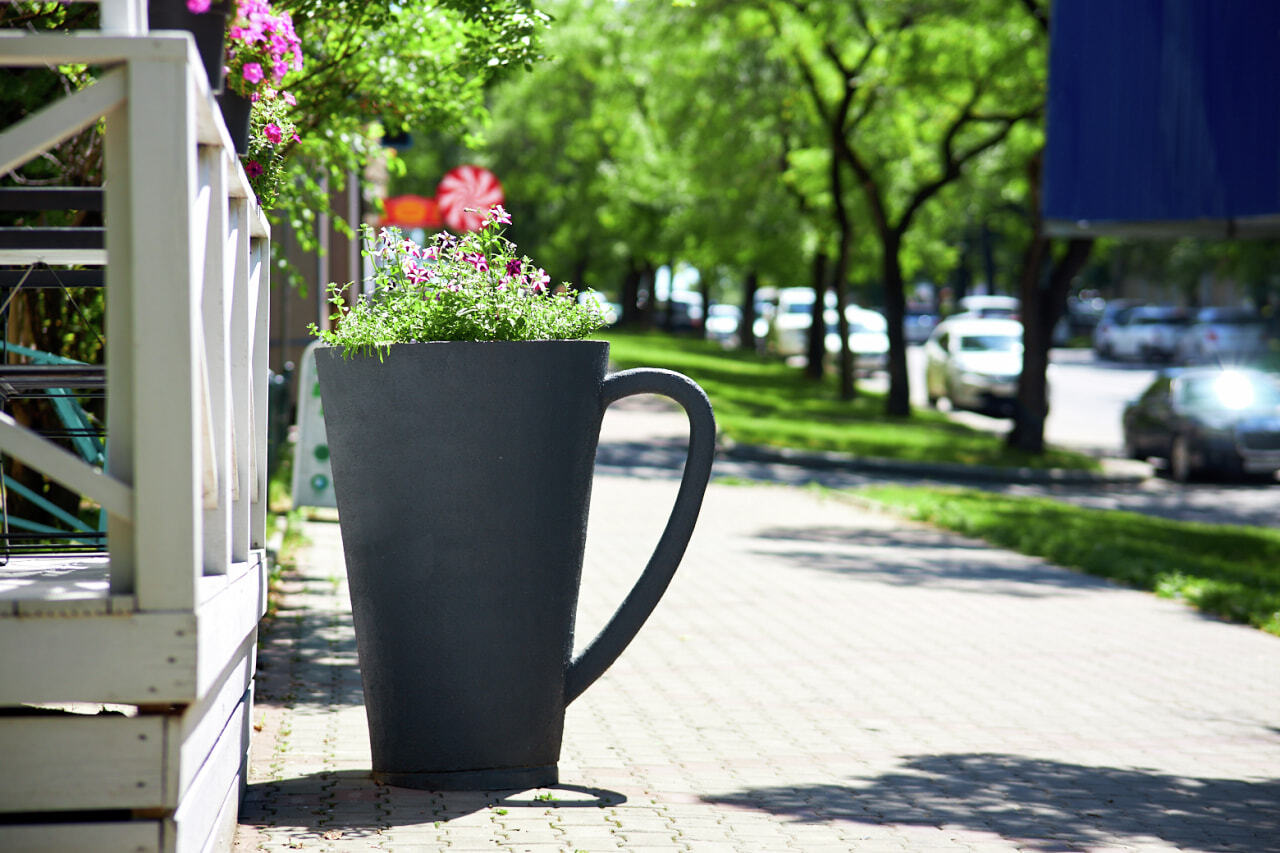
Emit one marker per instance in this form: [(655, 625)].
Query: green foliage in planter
[(472, 288)]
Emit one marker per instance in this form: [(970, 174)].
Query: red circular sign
[(467, 187)]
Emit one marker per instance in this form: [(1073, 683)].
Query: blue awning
[(1163, 118)]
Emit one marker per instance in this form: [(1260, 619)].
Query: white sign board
[(312, 476)]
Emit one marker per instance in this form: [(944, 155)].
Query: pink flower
[(273, 133), (413, 272), (253, 168), (387, 243), (198, 7), (431, 253), (289, 98), (252, 72), (540, 281), (279, 69), (296, 138)]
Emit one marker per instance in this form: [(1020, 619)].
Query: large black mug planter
[(462, 473)]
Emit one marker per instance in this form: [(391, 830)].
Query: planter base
[(497, 779)]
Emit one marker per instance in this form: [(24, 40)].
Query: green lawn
[(1229, 571), (760, 400)]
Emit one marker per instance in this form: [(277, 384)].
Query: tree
[(649, 136), (912, 94), (390, 64)]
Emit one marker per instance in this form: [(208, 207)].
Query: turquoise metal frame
[(91, 448)]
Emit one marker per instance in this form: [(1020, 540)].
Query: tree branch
[(1038, 13), (870, 187), (954, 163)]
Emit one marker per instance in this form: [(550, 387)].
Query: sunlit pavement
[(817, 678)]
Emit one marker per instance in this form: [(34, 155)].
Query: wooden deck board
[(69, 582)]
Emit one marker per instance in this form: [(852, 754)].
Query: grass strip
[(760, 400), (1226, 570)]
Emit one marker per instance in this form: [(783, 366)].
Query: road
[(1086, 399)]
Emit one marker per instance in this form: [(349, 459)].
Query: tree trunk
[(746, 328), (816, 351), (1042, 307), (1033, 398), (1043, 304), (630, 297), (704, 290), (645, 296), (844, 249), (667, 314), (898, 402), (848, 384)]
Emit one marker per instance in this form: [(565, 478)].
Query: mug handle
[(644, 596)]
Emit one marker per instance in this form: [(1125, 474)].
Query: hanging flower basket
[(209, 28), (237, 110)]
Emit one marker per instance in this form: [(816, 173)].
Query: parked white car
[(1223, 336), (722, 323), (991, 305), (868, 330), (975, 363), (1145, 332), (789, 329), (610, 311), (868, 338)]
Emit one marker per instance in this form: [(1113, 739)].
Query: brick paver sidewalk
[(818, 678)]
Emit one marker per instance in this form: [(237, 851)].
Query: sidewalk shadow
[(659, 458), (308, 657), (1043, 805), (922, 557), (349, 802)]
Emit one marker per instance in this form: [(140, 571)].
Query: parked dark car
[(1206, 421), (918, 323)]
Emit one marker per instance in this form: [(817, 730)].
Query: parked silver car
[(1224, 336), (975, 363), (1108, 320)]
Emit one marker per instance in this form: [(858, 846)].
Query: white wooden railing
[(169, 628), (187, 284)]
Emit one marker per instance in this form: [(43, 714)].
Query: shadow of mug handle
[(644, 596)]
